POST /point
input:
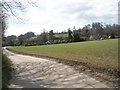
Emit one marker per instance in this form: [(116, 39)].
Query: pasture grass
[(61, 35), (101, 53)]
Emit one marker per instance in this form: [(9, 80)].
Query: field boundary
[(97, 73)]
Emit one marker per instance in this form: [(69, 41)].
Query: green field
[(61, 35), (33, 38), (101, 53)]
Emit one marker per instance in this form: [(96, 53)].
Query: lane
[(32, 72)]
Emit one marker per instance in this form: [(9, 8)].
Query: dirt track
[(32, 72)]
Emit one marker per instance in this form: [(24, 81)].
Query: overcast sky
[(59, 15)]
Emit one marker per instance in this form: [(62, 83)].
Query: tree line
[(96, 31)]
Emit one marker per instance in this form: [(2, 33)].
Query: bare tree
[(11, 7), (8, 8)]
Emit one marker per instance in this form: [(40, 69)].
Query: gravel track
[(32, 72)]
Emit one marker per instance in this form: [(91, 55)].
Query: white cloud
[(62, 14)]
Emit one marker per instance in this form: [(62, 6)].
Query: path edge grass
[(6, 71)]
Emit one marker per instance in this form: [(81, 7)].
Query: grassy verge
[(101, 56), (6, 71)]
